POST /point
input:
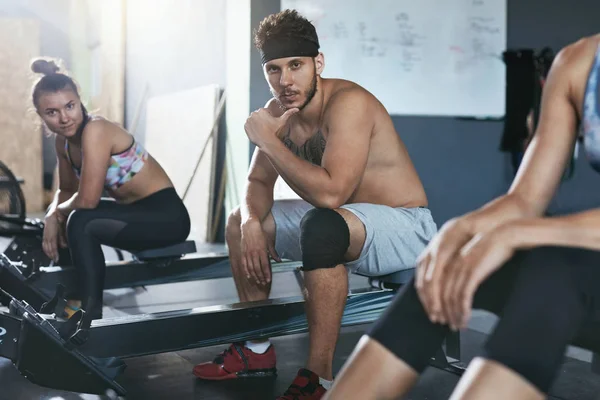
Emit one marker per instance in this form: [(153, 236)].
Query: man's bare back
[(389, 177)]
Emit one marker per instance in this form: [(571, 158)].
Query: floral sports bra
[(591, 115), (123, 166)]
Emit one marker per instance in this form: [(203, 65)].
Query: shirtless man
[(363, 206)]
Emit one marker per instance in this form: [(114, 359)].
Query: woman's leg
[(399, 346), (88, 258), (392, 355), (548, 303), (372, 372), (542, 296), (156, 221), (487, 379)]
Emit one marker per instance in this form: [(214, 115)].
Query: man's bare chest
[(311, 150)]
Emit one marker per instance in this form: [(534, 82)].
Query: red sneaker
[(306, 386), (238, 361)]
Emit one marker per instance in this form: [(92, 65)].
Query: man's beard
[(309, 95)]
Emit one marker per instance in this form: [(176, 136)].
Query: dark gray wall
[(458, 160), (54, 42), (172, 46), (259, 90)]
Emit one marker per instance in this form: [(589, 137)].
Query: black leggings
[(158, 220), (542, 296)]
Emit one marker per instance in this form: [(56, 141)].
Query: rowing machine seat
[(393, 280), (174, 251)]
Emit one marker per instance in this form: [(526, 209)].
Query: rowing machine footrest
[(56, 305), (46, 359), (75, 330), (174, 251)]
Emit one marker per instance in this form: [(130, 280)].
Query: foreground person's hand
[(432, 263)]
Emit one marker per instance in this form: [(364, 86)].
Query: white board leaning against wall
[(178, 126)]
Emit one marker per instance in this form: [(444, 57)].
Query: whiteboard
[(418, 57)]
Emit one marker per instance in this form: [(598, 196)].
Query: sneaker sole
[(258, 373), (255, 373)]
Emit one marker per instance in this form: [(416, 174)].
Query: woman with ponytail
[(96, 155)]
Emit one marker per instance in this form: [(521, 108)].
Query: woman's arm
[(67, 180), (54, 233), (529, 196), (488, 252), (96, 145), (546, 156), (576, 230)]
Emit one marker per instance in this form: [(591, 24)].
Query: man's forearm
[(311, 182), (258, 201)]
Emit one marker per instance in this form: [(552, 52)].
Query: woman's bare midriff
[(151, 179)]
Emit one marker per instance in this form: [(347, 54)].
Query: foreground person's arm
[(528, 197)]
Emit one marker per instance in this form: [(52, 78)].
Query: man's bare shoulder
[(341, 88), (347, 96)]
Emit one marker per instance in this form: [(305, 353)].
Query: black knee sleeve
[(324, 239)]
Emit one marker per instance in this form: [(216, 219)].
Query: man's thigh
[(287, 215), (395, 237)]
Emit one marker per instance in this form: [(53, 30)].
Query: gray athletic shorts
[(395, 236)]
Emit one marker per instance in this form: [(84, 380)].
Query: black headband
[(288, 47)]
